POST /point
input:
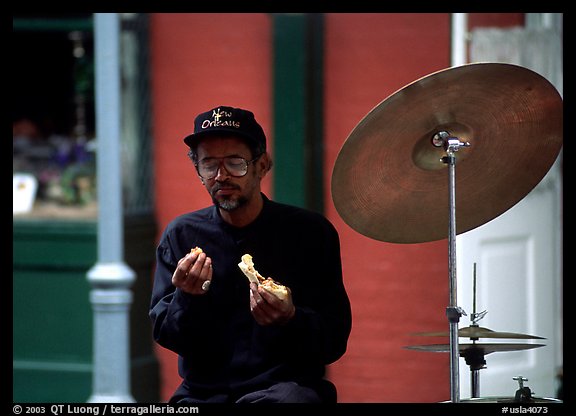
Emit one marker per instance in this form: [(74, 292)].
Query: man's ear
[(265, 164)]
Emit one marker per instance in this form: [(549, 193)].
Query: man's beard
[(230, 204), (227, 204)]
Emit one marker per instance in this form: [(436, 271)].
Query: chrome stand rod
[(453, 312)]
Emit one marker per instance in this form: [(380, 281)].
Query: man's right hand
[(192, 273)]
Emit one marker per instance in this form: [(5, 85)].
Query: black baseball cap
[(223, 119)]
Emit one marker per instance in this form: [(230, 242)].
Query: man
[(236, 341)]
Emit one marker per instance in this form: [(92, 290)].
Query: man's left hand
[(268, 309)]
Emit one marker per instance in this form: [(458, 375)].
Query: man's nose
[(222, 174)]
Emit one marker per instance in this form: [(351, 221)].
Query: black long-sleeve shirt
[(221, 347)]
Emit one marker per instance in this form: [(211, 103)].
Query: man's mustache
[(220, 186)]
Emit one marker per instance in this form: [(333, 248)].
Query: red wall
[(200, 61), (203, 60), (495, 20), (395, 289)]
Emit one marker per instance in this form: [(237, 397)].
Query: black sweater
[(221, 348)]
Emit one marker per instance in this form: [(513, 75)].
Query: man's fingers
[(192, 271), (183, 268)]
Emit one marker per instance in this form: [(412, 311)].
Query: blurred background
[(309, 79)]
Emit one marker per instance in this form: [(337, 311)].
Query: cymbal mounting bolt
[(439, 139), (448, 142)]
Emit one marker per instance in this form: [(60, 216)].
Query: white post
[(459, 38), (110, 278)]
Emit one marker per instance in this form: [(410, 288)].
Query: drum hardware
[(522, 395), (475, 316), (475, 357), (453, 311), (476, 362), (391, 166), (474, 331), (507, 400), (474, 353)]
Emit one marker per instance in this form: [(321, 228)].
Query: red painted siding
[(395, 289), (200, 61), (495, 20)]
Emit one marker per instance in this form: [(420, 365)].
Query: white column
[(459, 38)]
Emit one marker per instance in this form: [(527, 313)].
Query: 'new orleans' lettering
[(218, 123)]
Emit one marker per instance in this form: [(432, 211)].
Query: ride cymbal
[(479, 332), (388, 182)]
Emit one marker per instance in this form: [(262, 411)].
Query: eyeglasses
[(236, 166)]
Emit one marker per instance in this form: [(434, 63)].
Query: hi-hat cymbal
[(388, 182), (467, 348), (479, 332)]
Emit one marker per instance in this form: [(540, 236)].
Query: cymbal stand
[(475, 316), (453, 312), (475, 357)]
